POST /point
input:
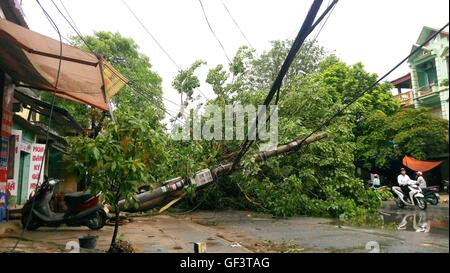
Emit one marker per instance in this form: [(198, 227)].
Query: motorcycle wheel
[(399, 203), (97, 221), (33, 223), (433, 200), (421, 203)]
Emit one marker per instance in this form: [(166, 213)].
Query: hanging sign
[(36, 162), (15, 159)]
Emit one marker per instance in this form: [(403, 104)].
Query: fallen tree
[(173, 188)]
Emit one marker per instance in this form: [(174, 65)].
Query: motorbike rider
[(421, 180), (404, 181)]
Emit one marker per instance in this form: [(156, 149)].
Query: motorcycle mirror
[(53, 182)]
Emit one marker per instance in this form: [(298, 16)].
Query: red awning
[(420, 165), (33, 59)]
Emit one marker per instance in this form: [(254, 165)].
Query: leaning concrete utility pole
[(172, 188)]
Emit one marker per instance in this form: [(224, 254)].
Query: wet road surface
[(393, 230)]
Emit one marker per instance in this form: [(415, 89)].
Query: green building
[(429, 72), (29, 132), (427, 86)]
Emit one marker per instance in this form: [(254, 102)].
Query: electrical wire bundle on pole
[(173, 187)]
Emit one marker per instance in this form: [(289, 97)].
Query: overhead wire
[(150, 34), (329, 10), (236, 23), (78, 33), (178, 66), (46, 149), (213, 32), (370, 87), (307, 27), (70, 16), (73, 27)]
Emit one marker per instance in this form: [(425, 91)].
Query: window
[(427, 75)]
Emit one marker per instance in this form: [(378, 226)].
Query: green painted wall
[(26, 135), (24, 166), (428, 66), (23, 176)]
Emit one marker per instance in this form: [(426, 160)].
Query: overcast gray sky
[(377, 33)]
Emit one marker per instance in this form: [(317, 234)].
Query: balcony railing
[(427, 90), (406, 99)]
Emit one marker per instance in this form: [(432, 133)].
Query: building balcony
[(427, 90), (406, 99)]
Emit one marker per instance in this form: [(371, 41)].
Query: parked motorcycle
[(445, 186), (431, 195), (418, 197), (83, 209)]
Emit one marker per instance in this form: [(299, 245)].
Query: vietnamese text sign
[(13, 183), (25, 146), (36, 162), (5, 132)]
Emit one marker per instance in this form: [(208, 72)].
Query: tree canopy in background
[(123, 53), (387, 138), (319, 179)]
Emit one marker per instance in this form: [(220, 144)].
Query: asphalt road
[(394, 230)]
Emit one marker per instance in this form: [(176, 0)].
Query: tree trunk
[(116, 224)]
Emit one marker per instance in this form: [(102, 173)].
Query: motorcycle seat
[(77, 197)]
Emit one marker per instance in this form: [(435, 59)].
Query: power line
[(78, 33), (212, 31), (73, 27), (171, 101), (235, 22), (306, 28), (150, 99), (70, 17), (323, 24), (359, 95), (151, 35), (329, 10), (175, 118), (131, 82), (148, 96), (46, 149), (143, 95), (157, 42)]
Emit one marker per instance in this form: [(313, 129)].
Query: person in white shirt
[(421, 180), (403, 181), (376, 181)]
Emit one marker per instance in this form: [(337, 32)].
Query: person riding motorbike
[(421, 180), (404, 181)]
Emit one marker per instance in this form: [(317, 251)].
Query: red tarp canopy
[(33, 59), (420, 165)]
